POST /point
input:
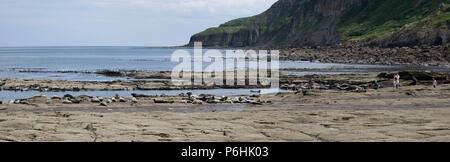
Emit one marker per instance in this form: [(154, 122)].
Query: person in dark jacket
[(414, 81), (446, 81)]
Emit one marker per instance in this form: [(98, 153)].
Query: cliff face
[(293, 23), (434, 30)]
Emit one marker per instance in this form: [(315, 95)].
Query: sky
[(116, 22)]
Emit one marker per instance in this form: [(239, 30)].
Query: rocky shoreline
[(359, 83), (287, 82), (410, 113), (43, 85), (438, 56)]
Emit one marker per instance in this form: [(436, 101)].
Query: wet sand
[(411, 113)]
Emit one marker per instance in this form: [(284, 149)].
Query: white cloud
[(181, 7)]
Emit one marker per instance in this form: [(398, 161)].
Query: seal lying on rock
[(139, 95), (134, 100), (162, 101), (95, 100)]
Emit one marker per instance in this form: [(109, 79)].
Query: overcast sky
[(115, 22)]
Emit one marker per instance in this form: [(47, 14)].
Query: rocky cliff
[(294, 23)]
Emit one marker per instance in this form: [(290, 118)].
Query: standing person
[(446, 81), (434, 83), (396, 81), (394, 84), (414, 81)]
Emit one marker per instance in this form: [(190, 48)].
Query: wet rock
[(419, 74), (411, 93)]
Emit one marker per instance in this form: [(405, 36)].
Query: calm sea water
[(43, 62)]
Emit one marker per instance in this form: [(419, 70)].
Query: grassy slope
[(380, 17), (232, 26)]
